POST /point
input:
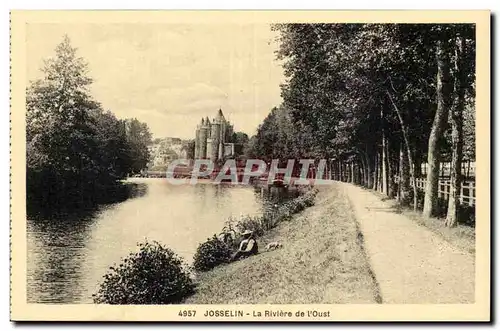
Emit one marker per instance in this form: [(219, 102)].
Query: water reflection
[(67, 256), (54, 251), (57, 248)]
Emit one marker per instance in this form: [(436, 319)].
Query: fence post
[(462, 193)]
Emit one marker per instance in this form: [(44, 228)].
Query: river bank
[(68, 257), (322, 261)]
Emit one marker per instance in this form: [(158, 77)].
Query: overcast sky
[(169, 76)]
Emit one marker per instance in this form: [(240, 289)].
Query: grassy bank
[(322, 261)]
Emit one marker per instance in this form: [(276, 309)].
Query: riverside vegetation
[(156, 275), (76, 152)]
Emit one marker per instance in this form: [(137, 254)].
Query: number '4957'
[(187, 313)]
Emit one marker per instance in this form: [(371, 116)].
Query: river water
[(67, 258)]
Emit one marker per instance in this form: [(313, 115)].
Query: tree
[(463, 75), (61, 136), (75, 150), (443, 95), (139, 138), (276, 138), (188, 147), (240, 138)]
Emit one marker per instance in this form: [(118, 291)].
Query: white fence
[(468, 169), (467, 191)]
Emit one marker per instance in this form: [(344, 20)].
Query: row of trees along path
[(379, 99)]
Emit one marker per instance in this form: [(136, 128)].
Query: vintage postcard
[(250, 166)]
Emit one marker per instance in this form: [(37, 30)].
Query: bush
[(210, 254), (420, 199), (252, 223), (154, 275), (467, 215)]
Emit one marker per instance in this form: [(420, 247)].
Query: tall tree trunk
[(352, 173), (390, 175), (380, 172), (356, 173), (361, 172), (408, 152), (457, 136), (344, 175), (357, 179), (443, 104), (418, 164), (340, 170), (404, 176), (347, 172), (384, 162), (339, 167), (400, 173), (367, 172), (375, 173)]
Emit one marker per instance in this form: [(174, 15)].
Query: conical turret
[(220, 115)]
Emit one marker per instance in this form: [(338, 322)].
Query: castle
[(213, 138)]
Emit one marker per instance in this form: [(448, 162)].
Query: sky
[(172, 75)]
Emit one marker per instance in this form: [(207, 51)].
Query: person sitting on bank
[(248, 246)]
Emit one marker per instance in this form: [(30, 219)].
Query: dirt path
[(411, 263)]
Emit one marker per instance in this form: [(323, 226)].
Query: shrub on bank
[(256, 224), (154, 275), (210, 254), (302, 202)]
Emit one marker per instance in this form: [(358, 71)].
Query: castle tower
[(208, 154), (209, 127), (197, 143), (229, 132), (211, 137), (203, 139), (216, 136), (222, 134)]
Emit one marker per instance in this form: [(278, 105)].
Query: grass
[(322, 261)]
